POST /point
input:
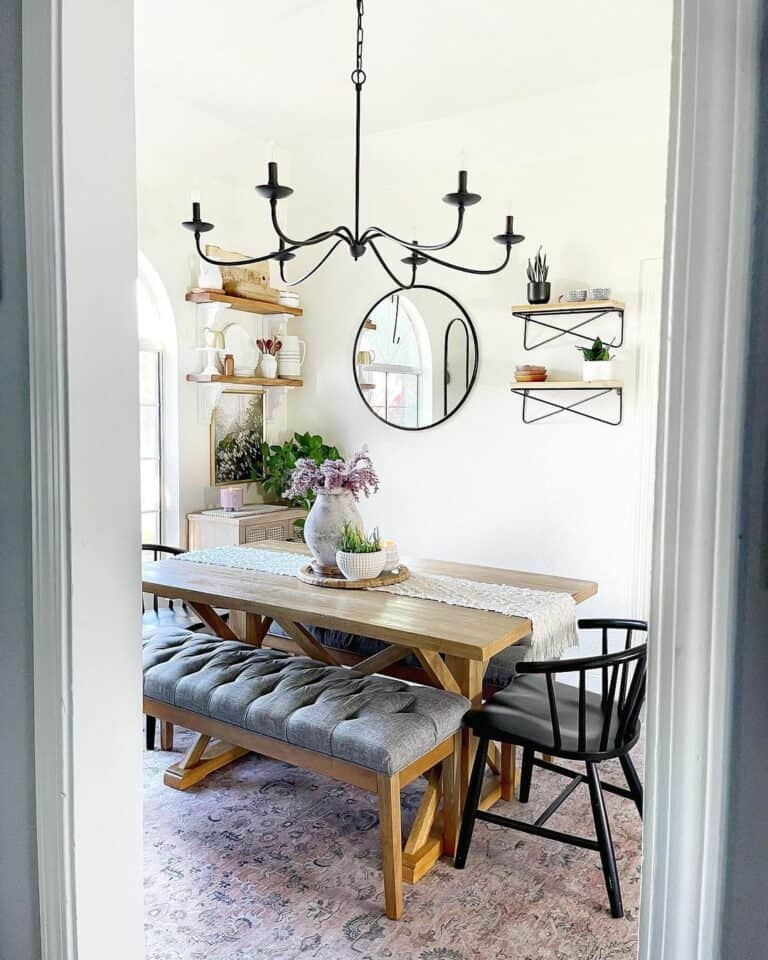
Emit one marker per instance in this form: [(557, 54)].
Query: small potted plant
[(269, 351), (360, 557), (598, 362), (538, 270)]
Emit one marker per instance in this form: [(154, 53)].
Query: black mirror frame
[(470, 328)]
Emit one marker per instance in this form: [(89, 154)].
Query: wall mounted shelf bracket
[(586, 311), (596, 390)]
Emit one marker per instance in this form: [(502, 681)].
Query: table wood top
[(408, 621)]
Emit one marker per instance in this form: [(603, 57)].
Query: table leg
[(469, 677)]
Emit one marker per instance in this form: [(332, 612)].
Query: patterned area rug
[(266, 861)]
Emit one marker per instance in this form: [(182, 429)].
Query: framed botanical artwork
[(237, 431)]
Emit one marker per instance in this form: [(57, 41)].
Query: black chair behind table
[(166, 613), (541, 715)]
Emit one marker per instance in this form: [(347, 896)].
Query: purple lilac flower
[(356, 475)]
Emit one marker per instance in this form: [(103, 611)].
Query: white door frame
[(80, 208), (712, 132), (713, 137)]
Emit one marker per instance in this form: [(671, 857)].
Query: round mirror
[(415, 357)]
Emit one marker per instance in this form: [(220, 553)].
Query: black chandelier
[(357, 242)]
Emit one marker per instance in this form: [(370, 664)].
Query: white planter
[(324, 525), (361, 566), (598, 370), (269, 366)]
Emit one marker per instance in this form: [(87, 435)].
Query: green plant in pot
[(598, 361), (360, 556), (278, 461), (539, 289)]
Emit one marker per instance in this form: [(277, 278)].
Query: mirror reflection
[(415, 357)]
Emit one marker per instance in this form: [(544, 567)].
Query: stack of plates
[(289, 299), (527, 373)]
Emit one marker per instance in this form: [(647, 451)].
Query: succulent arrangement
[(357, 475), (538, 268), (270, 347), (598, 351), (353, 540)]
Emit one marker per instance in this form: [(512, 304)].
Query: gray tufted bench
[(375, 732)]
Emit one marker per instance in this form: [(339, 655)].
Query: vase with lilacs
[(337, 486)]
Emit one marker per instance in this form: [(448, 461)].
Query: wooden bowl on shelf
[(528, 373)]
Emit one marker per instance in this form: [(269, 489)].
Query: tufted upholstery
[(377, 722)]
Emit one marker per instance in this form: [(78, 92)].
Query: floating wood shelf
[(245, 381), (533, 313), (596, 388), (567, 385), (242, 303)]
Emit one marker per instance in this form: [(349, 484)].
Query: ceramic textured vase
[(361, 566), (324, 524)]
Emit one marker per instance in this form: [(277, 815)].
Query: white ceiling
[(281, 67)]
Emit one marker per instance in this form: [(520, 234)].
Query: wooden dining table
[(453, 644)]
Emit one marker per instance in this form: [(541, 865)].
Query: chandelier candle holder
[(358, 241)]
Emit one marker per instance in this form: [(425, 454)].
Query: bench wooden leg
[(388, 789), (199, 761), (166, 735)]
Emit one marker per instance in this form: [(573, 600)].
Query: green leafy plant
[(598, 351), (353, 540), (538, 268), (278, 461)]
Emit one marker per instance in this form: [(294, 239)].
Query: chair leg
[(390, 829), (166, 735), (150, 726), (605, 841), (526, 773), (633, 782), (470, 804)]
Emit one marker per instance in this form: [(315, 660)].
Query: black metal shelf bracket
[(525, 393), (534, 316)]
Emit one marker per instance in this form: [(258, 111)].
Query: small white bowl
[(361, 566)]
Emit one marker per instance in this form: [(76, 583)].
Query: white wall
[(102, 378), (582, 169)]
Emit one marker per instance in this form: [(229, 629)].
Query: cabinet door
[(269, 530)]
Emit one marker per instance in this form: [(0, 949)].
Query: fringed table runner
[(552, 614)]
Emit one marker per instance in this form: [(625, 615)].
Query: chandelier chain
[(358, 74)]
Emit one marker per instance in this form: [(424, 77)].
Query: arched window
[(399, 368), (158, 398)]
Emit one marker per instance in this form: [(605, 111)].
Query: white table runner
[(552, 614)]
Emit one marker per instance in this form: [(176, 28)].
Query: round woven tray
[(340, 582)]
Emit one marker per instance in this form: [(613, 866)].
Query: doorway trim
[(715, 74), (713, 133)]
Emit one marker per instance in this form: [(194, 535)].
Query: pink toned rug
[(266, 861)]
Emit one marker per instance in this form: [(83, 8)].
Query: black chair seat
[(521, 714)]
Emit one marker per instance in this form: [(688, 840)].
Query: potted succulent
[(538, 270), (336, 485), (360, 557), (598, 362), (269, 351)]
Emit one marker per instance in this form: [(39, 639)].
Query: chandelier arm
[(342, 231), (293, 283), (455, 266), (373, 233), (382, 261), (240, 263)]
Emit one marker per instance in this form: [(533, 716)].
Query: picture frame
[(236, 435)]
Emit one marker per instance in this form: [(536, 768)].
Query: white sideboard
[(219, 529)]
